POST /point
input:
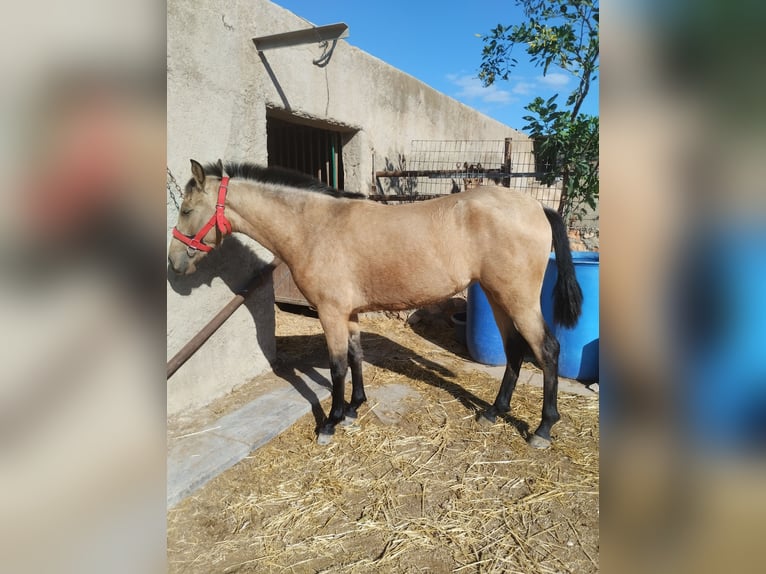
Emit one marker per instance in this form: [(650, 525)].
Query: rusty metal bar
[(186, 352), (382, 197)]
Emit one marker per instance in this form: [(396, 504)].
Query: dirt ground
[(426, 490)]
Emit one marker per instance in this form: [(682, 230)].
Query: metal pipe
[(186, 352)]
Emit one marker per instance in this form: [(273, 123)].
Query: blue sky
[(437, 43)]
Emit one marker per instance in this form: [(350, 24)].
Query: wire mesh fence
[(439, 167)]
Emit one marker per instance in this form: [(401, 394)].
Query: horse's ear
[(219, 164), (199, 174)]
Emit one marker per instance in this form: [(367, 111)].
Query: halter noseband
[(218, 219)]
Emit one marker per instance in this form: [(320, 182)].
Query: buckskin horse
[(348, 255)]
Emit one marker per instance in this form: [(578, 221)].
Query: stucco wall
[(387, 107), (220, 91), (215, 110)]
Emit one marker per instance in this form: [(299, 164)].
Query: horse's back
[(458, 226), (432, 249), (507, 235), (499, 214), (512, 205)]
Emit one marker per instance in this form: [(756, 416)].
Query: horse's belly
[(408, 287)]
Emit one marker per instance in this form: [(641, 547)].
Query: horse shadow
[(443, 332), (439, 328), (379, 351), (235, 264)]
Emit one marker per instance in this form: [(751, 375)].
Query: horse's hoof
[(486, 420), (324, 439), (349, 422), (536, 441)]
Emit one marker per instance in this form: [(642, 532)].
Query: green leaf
[(564, 34)]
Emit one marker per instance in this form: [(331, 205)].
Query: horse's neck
[(273, 219)]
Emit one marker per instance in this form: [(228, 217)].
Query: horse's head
[(197, 230)]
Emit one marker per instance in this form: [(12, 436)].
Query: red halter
[(217, 219)]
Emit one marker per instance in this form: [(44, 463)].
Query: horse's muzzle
[(180, 265)]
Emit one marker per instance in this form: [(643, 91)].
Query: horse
[(349, 255)]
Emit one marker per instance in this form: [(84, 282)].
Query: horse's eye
[(186, 212)]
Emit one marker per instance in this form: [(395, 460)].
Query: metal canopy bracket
[(329, 33)]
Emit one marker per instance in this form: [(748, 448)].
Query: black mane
[(277, 175)]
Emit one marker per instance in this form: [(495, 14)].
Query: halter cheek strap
[(218, 219)]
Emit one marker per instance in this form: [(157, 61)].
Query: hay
[(436, 493)]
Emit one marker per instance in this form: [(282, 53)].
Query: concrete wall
[(215, 110), (220, 92), (383, 108)]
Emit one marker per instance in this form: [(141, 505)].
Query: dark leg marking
[(355, 357), (550, 364), (515, 348), (338, 369)]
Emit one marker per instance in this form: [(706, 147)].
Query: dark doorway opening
[(311, 149), (305, 148)]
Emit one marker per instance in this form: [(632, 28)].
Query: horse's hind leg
[(355, 361), (515, 347), (546, 350), (548, 355), (335, 327), (529, 324)]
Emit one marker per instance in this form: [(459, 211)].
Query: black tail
[(567, 295)]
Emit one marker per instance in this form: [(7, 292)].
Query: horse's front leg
[(355, 361), (336, 332)]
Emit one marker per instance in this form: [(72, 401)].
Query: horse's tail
[(567, 295)]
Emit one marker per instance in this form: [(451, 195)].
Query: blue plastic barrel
[(485, 345), (579, 345)]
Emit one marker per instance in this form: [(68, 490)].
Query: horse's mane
[(277, 175)]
